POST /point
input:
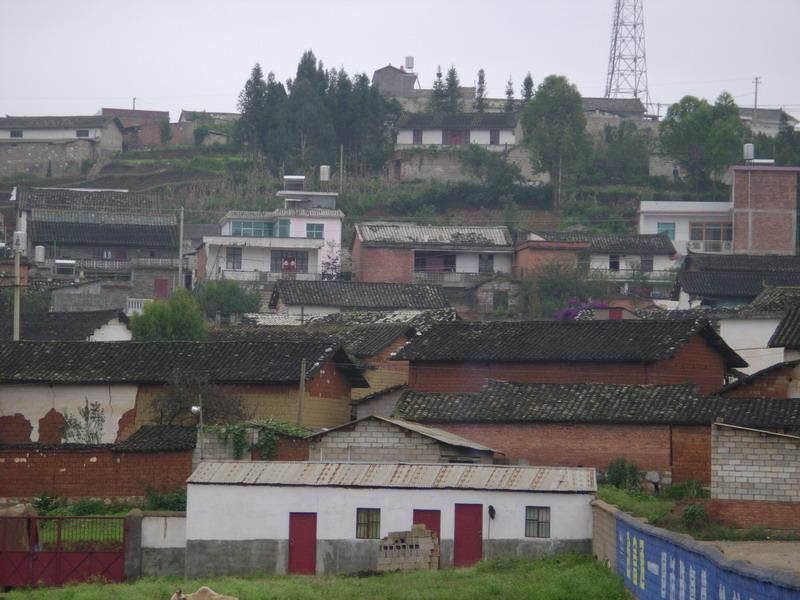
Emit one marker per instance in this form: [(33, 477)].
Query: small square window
[(416, 136), (613, 262), (82, 133), (16, 133), (537, 521), (315, 231), (668, 228), (368, 523)]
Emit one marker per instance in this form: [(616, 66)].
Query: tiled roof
[(776, 299), (773, 115), (746, 379), (420, 320), (507, 402), (399, 234), (614, 243), (87, 200), (57, 122), (347, 294), (787, 334), (498, 120), (58, 326), (163, 362), (359, 340), (46, 232), (562, 341), (744, 262), (733, 284), (159, 438), (614, 105)]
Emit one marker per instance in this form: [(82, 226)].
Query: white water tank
[(409, 63), (749, 151), (325, 173), (38, 254)]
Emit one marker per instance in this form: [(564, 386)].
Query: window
[(537, 521), (416, 136), (368, 523), (16, 133), (434, 262), (82, 133), (668, 228), (613, 262), (713, 235), (288, 261), (252, 228), (455, 137), (107, 254), (315, 231), (486, 263), (233, 259), (647, 264), (494, 137), (283, 228)]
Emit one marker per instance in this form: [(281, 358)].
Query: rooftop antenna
[(627, 60)]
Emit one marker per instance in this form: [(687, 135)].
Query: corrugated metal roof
[(411, 234), (397, 475)]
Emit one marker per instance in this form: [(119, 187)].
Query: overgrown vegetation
[(177, 318), (226, 298), (567, 577), (87, 426), (256, 435), (558, 285), (174, 501)]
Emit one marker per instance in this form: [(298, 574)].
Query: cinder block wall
[(373, 440)]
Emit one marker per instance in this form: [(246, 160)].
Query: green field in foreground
[(560, 578)]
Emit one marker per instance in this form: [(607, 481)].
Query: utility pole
[(341, 167), (17, 283), (756, 81), (180, 252), (301, 395), (134, 103)]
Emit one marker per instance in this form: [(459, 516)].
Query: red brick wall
[(572, 445), (774, 385), (390, 265), (694, 362), (755, 513), (774, 195), (98, 473), (328, 382), (15, 429), (291, 449), (51, 427), (531, 256), (201, 263), (691, 454)]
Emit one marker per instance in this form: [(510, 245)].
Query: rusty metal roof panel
[(397, 475)]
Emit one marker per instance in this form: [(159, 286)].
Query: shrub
[(688, 489), (623, 474), (694, 517), (175, 501), (45, 503), (86, 506)]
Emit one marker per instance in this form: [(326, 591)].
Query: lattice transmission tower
[(627, 60)]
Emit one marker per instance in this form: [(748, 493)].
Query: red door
[(303, 543), (468, 535), (160, 288), (432, 519)]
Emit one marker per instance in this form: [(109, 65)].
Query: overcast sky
[(75, 56)]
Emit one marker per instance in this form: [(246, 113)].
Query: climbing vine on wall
[(267, 433)]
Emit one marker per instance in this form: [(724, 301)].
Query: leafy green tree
[(704, 139), (626, 152), (438, 94), (227, 298), (527, 88), (177, 318), (452, 91), (252, 106), (480, 92), (492, 168), (556, 285), (311, 134), (555, 130), (787, 145), (510, 103)]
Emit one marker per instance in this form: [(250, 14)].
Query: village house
[(80, 234), (56, 146), (661, 428), (494, 131), (84, 326), (41, 382), (460, 357), (142, 128), (300, 241), (766, 120), (441, 254), (377, 438), (329, 517)]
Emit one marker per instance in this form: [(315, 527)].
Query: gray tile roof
[(86, 200), (776, 299), (612, 243), (562, 341), (508, 402), (744, 285), (772, 115), (752, 378), (412, 235), (499, 120), (619, 106), (787, 334), (111, 234), (58, 326), (743, 263), (159, 438), (358, 295)]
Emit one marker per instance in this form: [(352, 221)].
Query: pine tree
[(438, 97), (510, 102), (452, 89), (527, 88), (252, 106), (480, 92)]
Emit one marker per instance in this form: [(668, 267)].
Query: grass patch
[(559, 578), (639, 504)]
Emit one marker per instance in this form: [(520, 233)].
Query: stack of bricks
[(409, 550)]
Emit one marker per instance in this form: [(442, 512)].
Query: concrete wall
[(663, 265), (113, 331), (40, 159), (682, 214), (243, 529), (750, 338), (163, 544)]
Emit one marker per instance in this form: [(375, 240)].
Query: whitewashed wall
[(34, 402), (468, 262), (651, 213), (113, 331), (221, 512), (630, 262), (161, 531), (750, 338), (432, 137), (52, 134)]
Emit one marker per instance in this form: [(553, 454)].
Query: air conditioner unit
[(727, 246), (696, 246)]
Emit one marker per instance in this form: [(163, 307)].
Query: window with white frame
[(668, 228), (315, 231), (233, 258), (252, 228), (537, 521)]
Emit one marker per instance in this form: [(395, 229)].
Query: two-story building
[(302, 240), (450, 255), (494, 131)]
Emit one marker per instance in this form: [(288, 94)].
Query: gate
[(50, 551)]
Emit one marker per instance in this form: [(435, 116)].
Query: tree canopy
[(480, 92), (227, 298), (452, 91), (177, 318)]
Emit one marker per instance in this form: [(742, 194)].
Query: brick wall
[(752, 465), (694, 362), (764, 211), (775, 384), (40, 160), (389, 265), (382, 372), (92, 472), (691, 454), (754, 513), (531, 256), (15, 429)]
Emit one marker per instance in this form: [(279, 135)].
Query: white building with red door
[(329, 517)]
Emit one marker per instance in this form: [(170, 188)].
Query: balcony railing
[(103, 264), (265, 276), (711, 246), (448, 278), (136, 305)]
